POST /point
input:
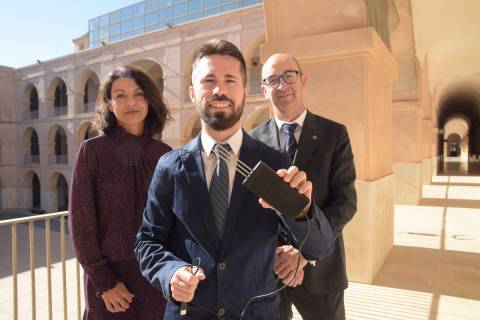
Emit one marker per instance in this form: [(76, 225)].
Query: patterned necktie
[(290, 143), (219, 190)]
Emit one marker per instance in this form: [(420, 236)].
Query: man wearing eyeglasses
[(205, 240), (321, 148)]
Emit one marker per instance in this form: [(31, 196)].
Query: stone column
[(427, 123), (350, 74), (407, 156), (9, 117), (407, 105), (46, 107), (75, 103), (73, 100), (427, 128), (436, 136)]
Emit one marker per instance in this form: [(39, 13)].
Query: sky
[(44, 29)]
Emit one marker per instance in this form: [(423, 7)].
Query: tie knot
[(223, 146), (289, 128)]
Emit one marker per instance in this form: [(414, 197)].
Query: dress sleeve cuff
[(103, 279)]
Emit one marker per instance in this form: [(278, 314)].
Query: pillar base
[(52, 205), (8, 198), (426, 171), (408, 186), (435, 165), (369, 236)]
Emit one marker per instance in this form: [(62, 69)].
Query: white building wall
[(171, 49)]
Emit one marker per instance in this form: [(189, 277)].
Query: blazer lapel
[(269, 134), (308, 142), (193, 164), (238, 191)]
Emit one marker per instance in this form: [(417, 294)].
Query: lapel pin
[(314, 137)]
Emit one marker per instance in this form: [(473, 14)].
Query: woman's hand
[(117, 299)]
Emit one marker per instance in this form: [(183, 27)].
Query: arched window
[(90, 93), (60, 95), (62, 193), (60, 103), (33, 105), (58, 146), (36, 193), (60, 143), (34, 100), (34, 147)]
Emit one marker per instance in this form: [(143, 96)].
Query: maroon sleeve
[(83, 221)]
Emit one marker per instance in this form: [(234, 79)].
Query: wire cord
[(262, 296)]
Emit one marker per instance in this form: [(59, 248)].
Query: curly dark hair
[(157, 115)]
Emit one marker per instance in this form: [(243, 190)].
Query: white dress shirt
[(298, 130), (209, 158)]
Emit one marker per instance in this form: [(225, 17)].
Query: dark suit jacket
[(179, 226), (325, 154)]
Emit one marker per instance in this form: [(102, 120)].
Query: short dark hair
[(157, 115), (223, 48)]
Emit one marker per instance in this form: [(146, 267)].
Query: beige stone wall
[(369, 236), (403, 49), (407, 151), (8, 159), (323, 17), (407, 129), (408, 182)]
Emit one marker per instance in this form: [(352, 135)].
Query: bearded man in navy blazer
[(189, 220), (322, 149)]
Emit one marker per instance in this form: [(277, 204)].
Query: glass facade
[(150, 15)]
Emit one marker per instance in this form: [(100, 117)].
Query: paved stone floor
[(432, 272)]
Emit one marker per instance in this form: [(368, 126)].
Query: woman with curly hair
[(111, 176)]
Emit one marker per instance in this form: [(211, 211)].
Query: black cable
[(183, 305), (251, 300), (199, 306)]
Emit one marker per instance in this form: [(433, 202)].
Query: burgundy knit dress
[(108, 193)]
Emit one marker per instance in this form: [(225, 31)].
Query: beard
[(220, 120)]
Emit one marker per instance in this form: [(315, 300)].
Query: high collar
[(235, 142), (120, 134), (299, 120)]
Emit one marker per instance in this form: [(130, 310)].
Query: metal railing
[(58, 111), (47, 219), (89, 107), (58, 159), (29, 115), (32, 159)]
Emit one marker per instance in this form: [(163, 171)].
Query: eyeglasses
[(289, 77)]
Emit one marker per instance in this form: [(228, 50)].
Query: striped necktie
[(219, 188), (290, 143)]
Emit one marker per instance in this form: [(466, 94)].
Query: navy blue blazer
[(178, 227)]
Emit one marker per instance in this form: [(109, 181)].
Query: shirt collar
[(299, 120), (235, 142)]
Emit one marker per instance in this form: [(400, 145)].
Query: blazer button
[(221, 312), (222, 266)]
